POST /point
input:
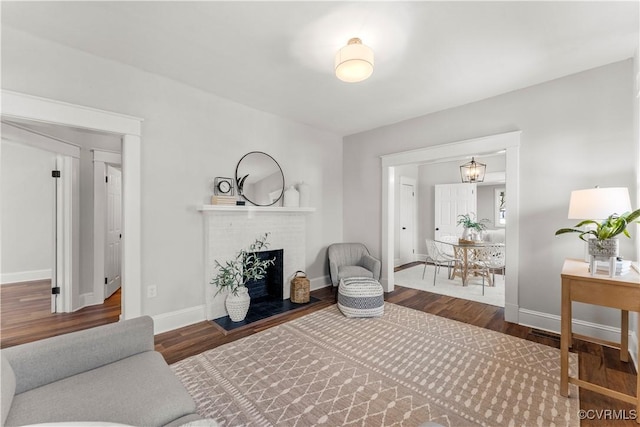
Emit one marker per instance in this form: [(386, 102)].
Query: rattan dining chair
[(489, 259)]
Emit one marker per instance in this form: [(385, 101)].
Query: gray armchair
[(351, 260)]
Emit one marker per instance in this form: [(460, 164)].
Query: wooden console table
[(621, 292)]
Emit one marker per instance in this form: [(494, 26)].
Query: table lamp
[(597, 204)]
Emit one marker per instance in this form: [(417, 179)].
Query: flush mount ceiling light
[(473, 171), (354, 62)]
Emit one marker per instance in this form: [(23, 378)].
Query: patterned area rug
[(405, 368)]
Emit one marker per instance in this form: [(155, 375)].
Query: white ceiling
[(278, 56)]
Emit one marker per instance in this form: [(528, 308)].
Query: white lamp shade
[(599, 203), (354, 62)]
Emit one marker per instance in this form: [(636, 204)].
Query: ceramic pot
[(470, 234), (238, 305), (604, 248)]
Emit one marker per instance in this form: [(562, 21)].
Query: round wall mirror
[(259, 179)]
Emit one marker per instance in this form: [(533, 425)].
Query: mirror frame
[(240, 180)]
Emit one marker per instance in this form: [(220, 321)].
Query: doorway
[(510, 143), (72, 224), (18, 106)]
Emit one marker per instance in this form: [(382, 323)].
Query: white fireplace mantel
[(275, 209)]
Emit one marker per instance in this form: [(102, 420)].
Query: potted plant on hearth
[(234, 274), (604, 242), (472, 228)]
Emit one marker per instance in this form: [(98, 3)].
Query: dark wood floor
[(598, 363), (25, 314)]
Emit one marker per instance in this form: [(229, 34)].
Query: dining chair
[(489, 259), (437, 258)]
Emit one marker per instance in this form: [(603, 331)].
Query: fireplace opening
[(270, 287)]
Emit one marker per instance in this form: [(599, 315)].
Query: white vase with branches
[(234, 274)]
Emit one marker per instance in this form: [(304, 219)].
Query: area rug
[(412, 278), (403, 369)]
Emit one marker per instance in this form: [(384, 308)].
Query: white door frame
[(510, 142), (100, 161), (21, 106)]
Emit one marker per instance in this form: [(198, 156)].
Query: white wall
[(565, 124), (27, 194), (188, 138)]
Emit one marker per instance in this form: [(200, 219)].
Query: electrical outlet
[(152, 291)]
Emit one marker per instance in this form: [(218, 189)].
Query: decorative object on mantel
[(601, 235), (223, 200), (223, 186), (259, 179), (472, 228), (305, 197), (234, 274), (300, 288), (291, 198), (473, 171)]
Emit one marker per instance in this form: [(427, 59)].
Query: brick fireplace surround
[(229, 229)]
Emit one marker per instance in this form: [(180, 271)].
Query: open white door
[(452, 200), (66, 254), (113, 250)]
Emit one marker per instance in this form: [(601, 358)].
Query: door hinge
[(105, 281), (55, 174), (106, 179), (55, 290), (121, 236)]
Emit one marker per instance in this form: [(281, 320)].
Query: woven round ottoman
[(360, 297)]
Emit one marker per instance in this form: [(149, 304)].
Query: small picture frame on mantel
[(223, 186)]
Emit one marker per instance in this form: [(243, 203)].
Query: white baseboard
[(551, 323), (633, 348), (177, 319), (87, 300), (511, 312), (320, 282), (25, 276)]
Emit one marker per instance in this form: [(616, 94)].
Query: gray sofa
[(108, 374)]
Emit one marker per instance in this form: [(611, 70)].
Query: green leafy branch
[(612, 226), (247, 265)]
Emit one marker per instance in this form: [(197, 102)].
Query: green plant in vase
[(234, 274), (472, 227), (601, 236), (606, 229)]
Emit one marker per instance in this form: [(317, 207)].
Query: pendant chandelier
[(473, 171)]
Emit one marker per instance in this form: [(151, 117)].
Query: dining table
[(466, 254)]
